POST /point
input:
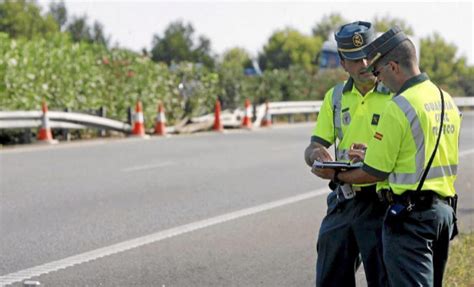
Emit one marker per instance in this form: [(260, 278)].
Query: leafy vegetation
[(82, 76), (441, 64), (22, 18), (289, 47)]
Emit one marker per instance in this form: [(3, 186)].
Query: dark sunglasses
[(375, 72)]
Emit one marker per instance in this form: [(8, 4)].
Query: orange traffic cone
[(44, 133), (160, 125), (267, 118), (138, 125), (247, 120), (217, 117)]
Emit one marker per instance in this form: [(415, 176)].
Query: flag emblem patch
[(378, 136)]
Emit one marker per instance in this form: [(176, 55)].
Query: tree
[(202, 53), (289, 47), (466, 81), (22, 18), (327, 25), (438, 60), (231, 76), (385, 23), (98, 35), (59, 12), (177, 45), (80, 31), (235, 58)]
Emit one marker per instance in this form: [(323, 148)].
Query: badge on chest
[(375, 119), (346, 116)]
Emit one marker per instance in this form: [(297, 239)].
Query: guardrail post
[(291, 119), (65, 132), (306, 117), (129, 115), (254, 111), (102, 112)]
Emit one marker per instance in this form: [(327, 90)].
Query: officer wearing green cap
[(350, 113), (415, 147)]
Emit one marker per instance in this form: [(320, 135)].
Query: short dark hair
[(404, 54)]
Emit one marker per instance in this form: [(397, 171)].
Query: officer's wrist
[(336, 179)]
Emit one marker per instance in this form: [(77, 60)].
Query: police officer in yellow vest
[(350, 114), (420, 170)]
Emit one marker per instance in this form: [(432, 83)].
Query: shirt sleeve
[(323, 132), (384, 147)]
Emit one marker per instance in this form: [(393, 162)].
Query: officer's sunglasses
[(376, 72)]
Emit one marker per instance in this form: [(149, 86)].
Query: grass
[(460, 268)]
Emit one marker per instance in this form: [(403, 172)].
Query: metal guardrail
[(309, 107), (303, 107), (24, 124), (464, 101), (229, 119), (32, 119), (286, 108), (67, 120)]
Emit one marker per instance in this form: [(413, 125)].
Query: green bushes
[(83, 76)]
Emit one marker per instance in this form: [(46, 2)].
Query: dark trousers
[(416, 248), (351, 230)]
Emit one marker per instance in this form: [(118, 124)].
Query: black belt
[(419, 200)]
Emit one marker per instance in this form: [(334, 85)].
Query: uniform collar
[(413, 81), (348, 85), (379, 87)]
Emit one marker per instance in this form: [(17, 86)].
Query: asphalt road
[(233, 209)]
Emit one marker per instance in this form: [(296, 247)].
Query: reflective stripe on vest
[(419, 138), (336, 103)]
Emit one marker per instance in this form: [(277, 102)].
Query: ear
[(343, 63), (395, 67)]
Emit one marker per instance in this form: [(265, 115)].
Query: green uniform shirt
[(406, 137), (356, 120)]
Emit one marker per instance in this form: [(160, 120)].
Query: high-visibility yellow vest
[(406, 136), (349, 116)]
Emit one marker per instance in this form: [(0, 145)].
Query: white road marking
[(22, 275), (466, 152), (150, 166)]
